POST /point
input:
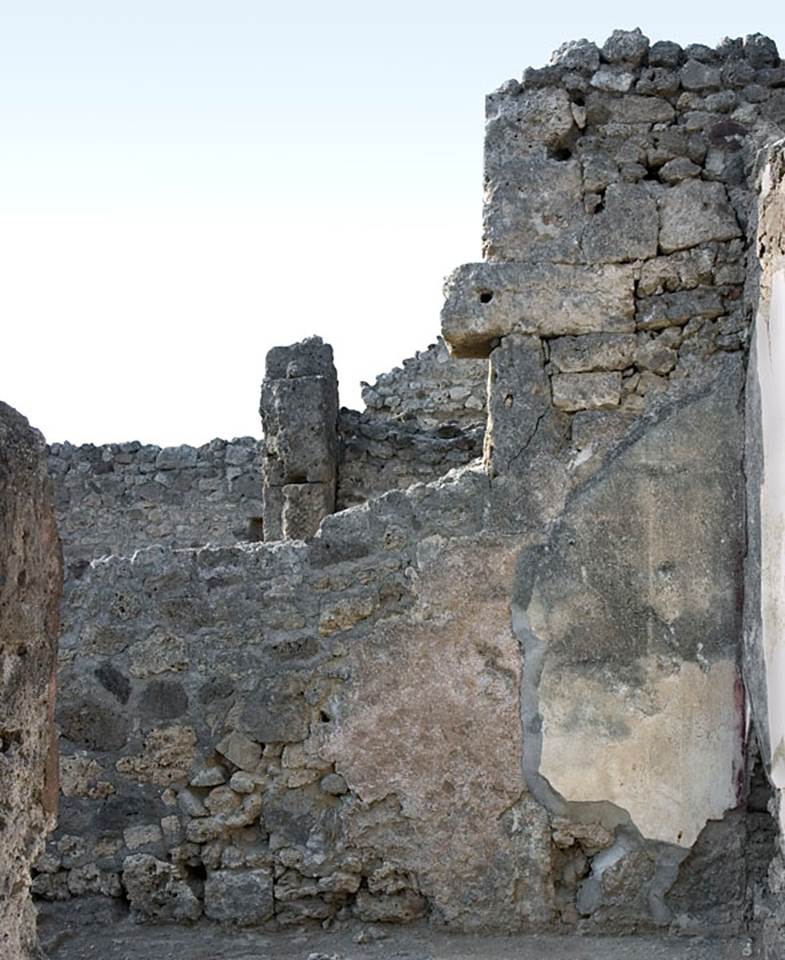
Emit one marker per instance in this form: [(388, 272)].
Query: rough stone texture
[(430, 389), (122, 497), (299, 410), (485, 301), (508, 697), (380, 453), (30, 587)]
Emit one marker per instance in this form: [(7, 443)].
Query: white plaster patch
[(669, 759), (770, 345)]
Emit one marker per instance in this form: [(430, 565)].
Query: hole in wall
[(485, 296), (255, 529), (561, 154)]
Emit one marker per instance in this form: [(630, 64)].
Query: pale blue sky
[(185, 184)]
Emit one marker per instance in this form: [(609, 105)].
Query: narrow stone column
[(299, 410), (30, 588)]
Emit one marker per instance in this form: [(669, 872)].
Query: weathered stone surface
[(167, 754), (627, 227), (299, 409), (156, 890), (243, 898), (594, 351), (240, 750), (524, 224), (443, 780), (626, 46), (523, 124), (519, 401), (501, 696), (586, 391), (30, 586), (695, 212), (485, 301)]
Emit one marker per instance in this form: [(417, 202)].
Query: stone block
[(521, 223), (240, 750), (304, 507), (593, 351), (485, 301), (694, 212), (299, 409), (586, 391), (625, 229), (517, 402), (276, 711), (30, 587), (156, 890)]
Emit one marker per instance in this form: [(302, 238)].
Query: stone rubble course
[(122, 497), (493, 694), (30, 588)]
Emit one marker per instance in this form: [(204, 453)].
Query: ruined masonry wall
[(509, 698), (122, 497), (430, 388), (30, 587), (386, 453)]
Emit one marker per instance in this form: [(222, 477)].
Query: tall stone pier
[(299, 410), (30, 588)]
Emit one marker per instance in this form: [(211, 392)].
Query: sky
[(185, 184)]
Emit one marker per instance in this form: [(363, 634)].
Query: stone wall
[(509, 698), (121, 497), (430, 388), (30, 586), (386, 453)]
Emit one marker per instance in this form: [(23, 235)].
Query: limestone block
[(613, 81), (517, 402), (299, 428), (30, 586), (242, 898), (485, 301), (299, 409), (389, 908), (534, 210), (525, 124), (625, 229), (678, 308), (308, 358), (276, 710), (157, 891), (304, 505), (593, 351), (240, 750), (586, 391), (694, 212), (167, 754), (639, 109)]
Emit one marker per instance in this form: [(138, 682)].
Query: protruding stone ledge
[(485, 301)]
